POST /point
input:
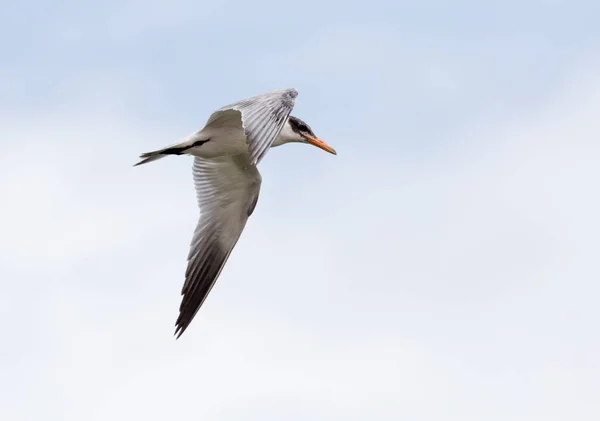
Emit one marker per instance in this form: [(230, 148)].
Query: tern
[(226, 153)]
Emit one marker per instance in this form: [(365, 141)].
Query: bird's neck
[(287, 135)]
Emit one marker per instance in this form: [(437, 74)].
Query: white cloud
[(461, 286)]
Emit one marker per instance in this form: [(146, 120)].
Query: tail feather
[(178, 149), (149, 157)]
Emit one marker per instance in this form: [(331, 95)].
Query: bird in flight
[(226, 152)]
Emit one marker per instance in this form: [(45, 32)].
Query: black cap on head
[(300, 126)]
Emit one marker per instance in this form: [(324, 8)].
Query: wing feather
[(227, 189), (263, 117)]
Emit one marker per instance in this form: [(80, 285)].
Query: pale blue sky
[(443, 266)]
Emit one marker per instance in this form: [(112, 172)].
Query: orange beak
[(319, 144)]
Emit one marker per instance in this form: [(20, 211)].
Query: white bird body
[(234, 140), (228, 140)]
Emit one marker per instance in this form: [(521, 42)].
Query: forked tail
[(178, 149), (149, 157)]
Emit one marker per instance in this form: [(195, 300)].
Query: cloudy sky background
[(444, 266)]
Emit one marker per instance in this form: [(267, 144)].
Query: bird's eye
[(302, 127)]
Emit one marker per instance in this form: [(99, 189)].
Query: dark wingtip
[(178, 330)]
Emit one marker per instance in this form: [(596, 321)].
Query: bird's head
[(296, 130)]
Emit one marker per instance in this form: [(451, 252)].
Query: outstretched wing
[(263, 117), (227, 189)]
